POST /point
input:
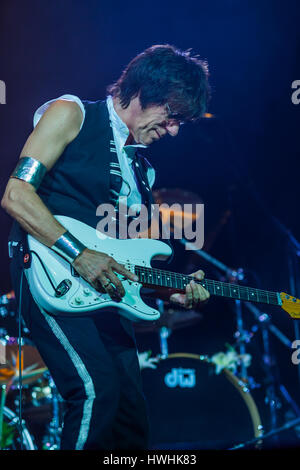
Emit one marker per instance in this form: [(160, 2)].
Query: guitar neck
[(177, 281)]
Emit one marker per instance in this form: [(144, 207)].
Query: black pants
[(93, 362)]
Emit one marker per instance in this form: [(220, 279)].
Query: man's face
[(151, 124)]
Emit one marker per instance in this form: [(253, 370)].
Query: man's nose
[(173, 129)]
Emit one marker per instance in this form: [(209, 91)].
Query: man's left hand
[(195, 295)]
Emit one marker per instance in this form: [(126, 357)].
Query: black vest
[(82, 179)]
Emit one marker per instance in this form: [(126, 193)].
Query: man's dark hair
[(164, 74)]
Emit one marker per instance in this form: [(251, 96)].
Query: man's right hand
[(99, 269)]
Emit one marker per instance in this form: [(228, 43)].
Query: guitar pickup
[(63, 287)]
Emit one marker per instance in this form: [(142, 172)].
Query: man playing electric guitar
[(82, 154)]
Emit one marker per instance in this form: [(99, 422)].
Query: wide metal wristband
[(30, 170), (68, 246)]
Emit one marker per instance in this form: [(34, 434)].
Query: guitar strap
[(140, 170)]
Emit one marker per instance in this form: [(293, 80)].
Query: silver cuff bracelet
[(30, 170), (68, 247)]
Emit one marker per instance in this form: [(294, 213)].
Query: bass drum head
[(190, 407)]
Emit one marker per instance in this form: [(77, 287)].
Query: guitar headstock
[(290, 304)]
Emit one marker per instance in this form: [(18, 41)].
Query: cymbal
[(176, 195), (172, 318), (6, 298), (173, 216), (175, 213), (31, 375), (33, 366)]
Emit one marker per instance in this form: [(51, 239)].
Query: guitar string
[(242, 291), (180, 276), (210, 282)]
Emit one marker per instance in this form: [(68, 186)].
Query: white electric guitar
[(59, 290)]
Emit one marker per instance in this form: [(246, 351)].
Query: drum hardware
[(164, 332), (42, 404), (292, 251), (37, 387), (13, 439), (265, 326), (5, 302), (2, 403), (245, 338), (8, 310), (233, 276), (51, 440), (12, 435), (3, 311), (242, 335), (272, 433), (42, 410), (274, 388), (291, 248), (3, 333)]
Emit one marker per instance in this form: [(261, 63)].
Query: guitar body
[(59, 290), (80, 297)]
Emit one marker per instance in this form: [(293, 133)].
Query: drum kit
[(195, 401), (41, 406)]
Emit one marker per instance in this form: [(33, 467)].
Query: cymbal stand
[(263, 322), (2, 403), (292, 246), (51, 440), (271, 379), (233, 275), (163, 332), (285, 427), (240, 334)]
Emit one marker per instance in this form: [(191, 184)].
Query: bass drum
[(10, 433), (190, 407)]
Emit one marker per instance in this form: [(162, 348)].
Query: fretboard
[(161, 278)]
